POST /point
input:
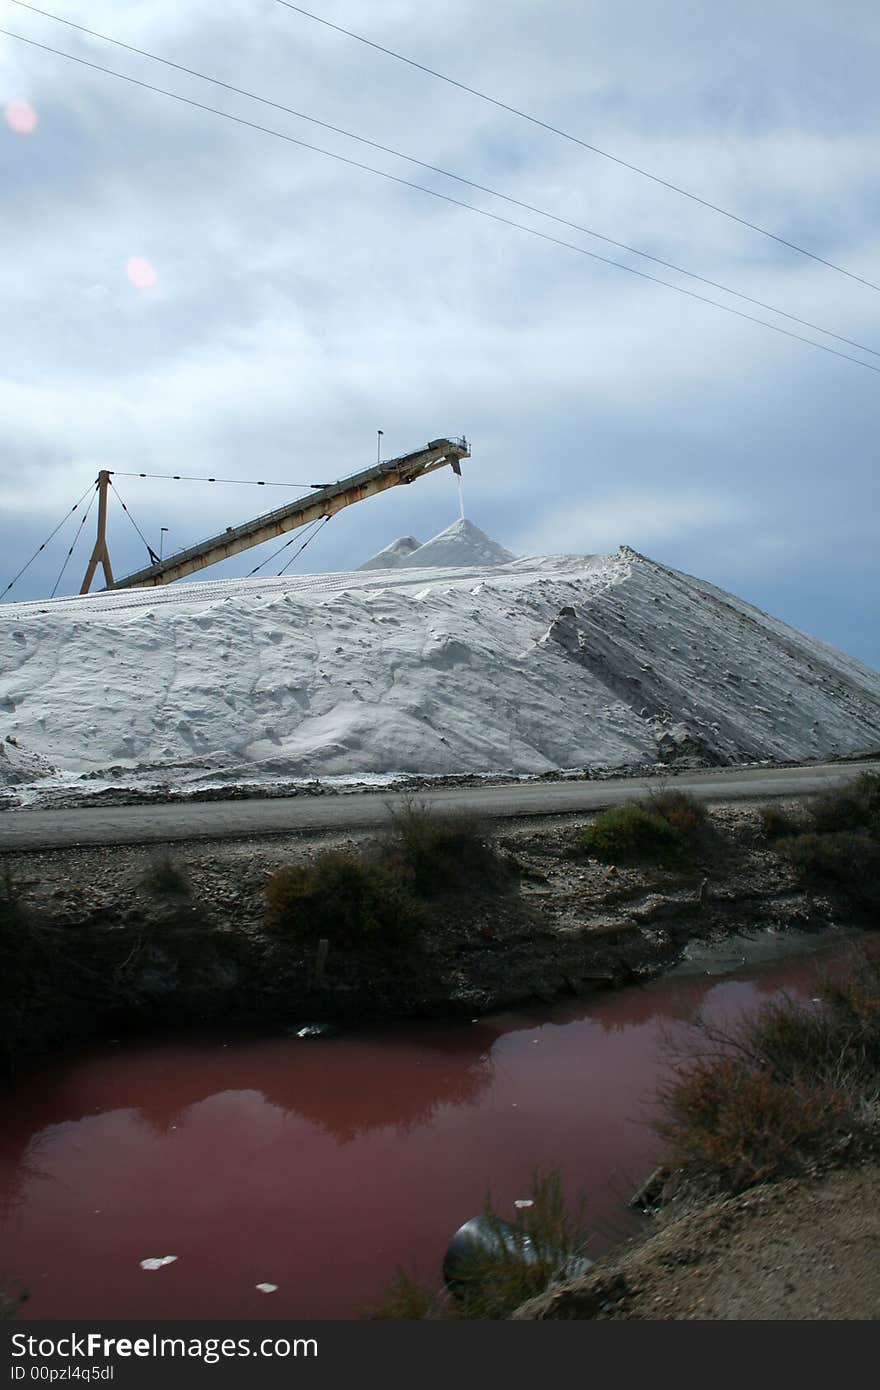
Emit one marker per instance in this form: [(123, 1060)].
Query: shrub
[(789, 1086), (443, 852), (851, 859), (350, 900), (634, 835), (777, 822), (405, 1301), (166, 879), (854, 806), (734, 1126), (515, 1264), (680, 809), (544, 1246)]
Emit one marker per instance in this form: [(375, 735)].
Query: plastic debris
[(157, 1261), (522, 1202), (312, 1030), (267, 1288)]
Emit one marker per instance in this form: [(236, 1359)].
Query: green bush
[(443, 852), (854, 806), (635, 835), (850, 859), (350, 900)]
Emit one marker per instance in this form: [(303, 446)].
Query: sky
[(184, 294)]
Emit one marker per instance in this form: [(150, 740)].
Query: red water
[(322, 1165)]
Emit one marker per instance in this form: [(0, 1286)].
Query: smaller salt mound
[(393, 555), (461, 544)]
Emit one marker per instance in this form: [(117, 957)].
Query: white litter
[(267, 1288), (157, 1261)]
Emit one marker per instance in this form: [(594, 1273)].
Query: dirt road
[(23, 830)]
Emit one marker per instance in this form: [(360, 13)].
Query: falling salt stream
[(229, 1176), (460, 497)]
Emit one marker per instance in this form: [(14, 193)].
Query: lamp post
[(379, 434)]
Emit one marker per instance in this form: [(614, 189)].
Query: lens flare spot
[(21, 117), (141, 273)]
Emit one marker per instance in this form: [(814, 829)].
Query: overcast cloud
[(300, 304)]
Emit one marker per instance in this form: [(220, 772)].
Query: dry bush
[(850, 859), (443, 852), (164, 878), (732, 1127), (406, 1300), (790, 1086), (777, 822), (680, 809), (514, 1264), (852, 807)]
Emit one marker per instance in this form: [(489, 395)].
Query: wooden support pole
[(100, 554)]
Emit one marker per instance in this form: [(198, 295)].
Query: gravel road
[(22, 830)]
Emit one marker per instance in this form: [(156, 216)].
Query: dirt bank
[(793, 1250), (120, 950)]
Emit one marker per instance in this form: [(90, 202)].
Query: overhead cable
[(151, 552), (306, 542), (450, 174), (79, 531), (443, 197), (50, 537), (253, 482), (576, 140), (269, 558)]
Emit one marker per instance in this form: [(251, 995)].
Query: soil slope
[(795, 1250)]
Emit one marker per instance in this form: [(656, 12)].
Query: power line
[(253, 482), (299, 552), (79, 531), (443, 197), (269, 558), (51, 536), (449, 174), (150, 551), (566, 135)]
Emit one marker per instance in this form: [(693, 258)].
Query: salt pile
[(462, 543), (453, 658)]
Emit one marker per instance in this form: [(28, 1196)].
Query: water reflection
[(291, 1161)]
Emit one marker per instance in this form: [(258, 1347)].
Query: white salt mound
[(455, 659), (393, 554), (462, 543)]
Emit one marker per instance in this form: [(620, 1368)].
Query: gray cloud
[(300, 304)]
